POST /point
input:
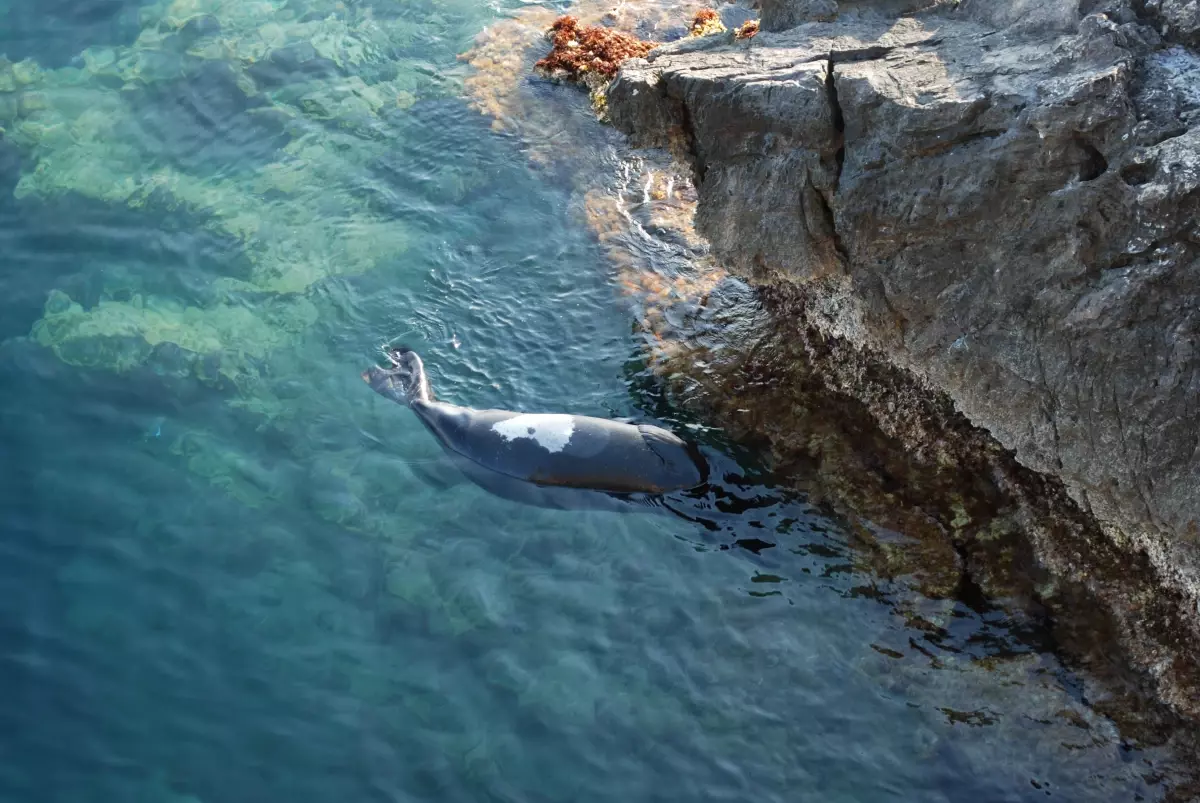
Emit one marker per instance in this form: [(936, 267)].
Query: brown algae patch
[(499, 57), (593, 50), (505, 54), (747, 30), (706, 23), (590, 55), (619, 202)]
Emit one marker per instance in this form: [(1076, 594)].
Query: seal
[(531, 456)]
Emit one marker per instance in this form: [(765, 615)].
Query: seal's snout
[(381, 380)]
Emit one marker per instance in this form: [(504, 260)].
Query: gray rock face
[(779, 15), (1002, 196), (1176, 19)]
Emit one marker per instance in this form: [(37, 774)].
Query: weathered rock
[(1177, 19), (779, 15), (1000, 196)]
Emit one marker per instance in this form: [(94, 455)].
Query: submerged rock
[(1000, 199)]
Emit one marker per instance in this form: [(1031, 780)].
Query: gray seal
[(541, 458)]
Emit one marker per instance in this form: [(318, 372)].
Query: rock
[(1001, 197), (1057, 16), (199, 27), (779, 15), (1177, 19)]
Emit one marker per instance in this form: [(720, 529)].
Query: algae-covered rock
[(707, 22), (236, 333), (313, 82), (239, 474), (262, 127), (568, 690), (418, 587)]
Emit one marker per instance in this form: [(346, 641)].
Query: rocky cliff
[(1001, 197)]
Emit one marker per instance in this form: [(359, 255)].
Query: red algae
[(592, 50), (748, 30), (705, 23)]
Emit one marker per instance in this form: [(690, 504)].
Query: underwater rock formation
[(292, 101), (244, 144), (998, 198)]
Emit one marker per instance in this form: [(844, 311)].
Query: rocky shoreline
[(764, 353), (995, 205)]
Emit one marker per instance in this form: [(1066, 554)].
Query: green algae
[(236, 332), (295, 220), (328, 81), (323, 89), (242, 477)]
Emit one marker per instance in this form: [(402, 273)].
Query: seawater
[(232, 573)]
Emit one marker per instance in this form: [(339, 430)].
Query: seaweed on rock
[(748, 30), (707, 22), (593, 50)]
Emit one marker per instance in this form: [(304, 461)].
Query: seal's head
[(404, 382)]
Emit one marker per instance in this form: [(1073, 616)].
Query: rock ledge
[(1001, 197)]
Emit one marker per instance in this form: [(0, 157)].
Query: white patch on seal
[(551, 431)]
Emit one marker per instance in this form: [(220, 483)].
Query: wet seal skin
[(546, 459)]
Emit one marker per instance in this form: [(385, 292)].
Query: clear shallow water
[(224, 576)]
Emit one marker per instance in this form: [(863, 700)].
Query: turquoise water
[(226, 573)]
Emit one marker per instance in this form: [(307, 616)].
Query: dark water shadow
[(53, 32), (92, 251), (204, 121), (954, 522)]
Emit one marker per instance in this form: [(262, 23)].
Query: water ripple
[(233, 573)]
